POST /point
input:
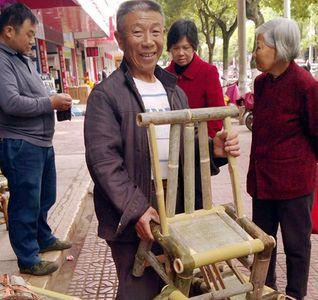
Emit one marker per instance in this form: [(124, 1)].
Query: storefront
[(66, 28)]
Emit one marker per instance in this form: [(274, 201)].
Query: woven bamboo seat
[(219, 230), (204, 238)]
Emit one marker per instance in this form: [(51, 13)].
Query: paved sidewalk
[(73, 181), (95, 278)]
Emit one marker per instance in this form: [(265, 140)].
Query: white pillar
[(241, 21), (311, 33), (287, 9)]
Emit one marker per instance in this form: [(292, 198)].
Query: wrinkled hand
[(143, 225), (61, 101), (225, 143)]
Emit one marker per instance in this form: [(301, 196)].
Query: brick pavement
[(94, 276)]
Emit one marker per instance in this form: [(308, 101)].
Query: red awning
[(48, 4)]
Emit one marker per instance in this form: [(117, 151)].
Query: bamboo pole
[(205, 165), (173, 168), (186, 115), (196, 214), (50, 294), (153, 262), (234, 174), (140, 258), (222, 294), (169, 290), (157, 179), (258, 277), (189, 165), (227, 252)]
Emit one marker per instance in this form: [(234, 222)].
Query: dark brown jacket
[(117, 152)]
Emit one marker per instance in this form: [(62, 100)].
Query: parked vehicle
[(232, 96), (248, 100)]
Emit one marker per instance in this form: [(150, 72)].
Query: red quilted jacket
[(200, 81), (285, 135)]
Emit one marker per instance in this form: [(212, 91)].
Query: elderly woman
[(198, 79), (281, 175), (117, 153)]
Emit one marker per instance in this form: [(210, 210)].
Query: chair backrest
[(184, 122)]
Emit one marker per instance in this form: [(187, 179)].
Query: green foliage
[(177, 9), (299, 8), (305, 12)]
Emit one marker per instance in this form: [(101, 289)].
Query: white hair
[(283, 35)]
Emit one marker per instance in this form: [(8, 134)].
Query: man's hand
[(143, 225), (61, 101), (225, 143)]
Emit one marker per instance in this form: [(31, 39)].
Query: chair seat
[(205, 233)]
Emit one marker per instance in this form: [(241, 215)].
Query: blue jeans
[(31, 175)]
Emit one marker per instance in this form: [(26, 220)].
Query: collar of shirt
[(290, 69), (12, 52), (8, 49), (192, 68)]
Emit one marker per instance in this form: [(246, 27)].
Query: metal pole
[(241, 20), (287, 9)]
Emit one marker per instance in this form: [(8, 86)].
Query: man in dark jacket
[(26, 151), (117, 152)]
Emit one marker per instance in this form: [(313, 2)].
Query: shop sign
[(63, 68), (43, 56), (91, 51)]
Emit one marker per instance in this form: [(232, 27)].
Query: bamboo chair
[(200, 238)]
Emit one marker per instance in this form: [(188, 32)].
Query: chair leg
[(4, 203), (140, 260), (258, 276), (183, 282)]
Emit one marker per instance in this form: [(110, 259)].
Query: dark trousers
[(133, 288), (293, 216), (31, 175)]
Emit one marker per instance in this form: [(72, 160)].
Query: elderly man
[(26, 151), (117, 149)]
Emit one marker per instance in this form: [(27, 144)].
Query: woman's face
[(182, 52), (264, 55)]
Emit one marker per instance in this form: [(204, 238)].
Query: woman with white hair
[(284, 150)]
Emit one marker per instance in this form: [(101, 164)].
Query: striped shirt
[(155, 99)]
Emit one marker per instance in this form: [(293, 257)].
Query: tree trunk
[(253, 12), (211, 45), (226, 41)]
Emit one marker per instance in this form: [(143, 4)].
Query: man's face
[(265, 56), (21, 39), (142, 42)]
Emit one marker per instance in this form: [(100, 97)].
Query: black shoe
[(58, 245), (41, 268)]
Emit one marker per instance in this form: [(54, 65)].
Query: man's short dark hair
[(15, 14), (180, 29)]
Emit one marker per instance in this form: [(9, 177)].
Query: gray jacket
[(25, 108)]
